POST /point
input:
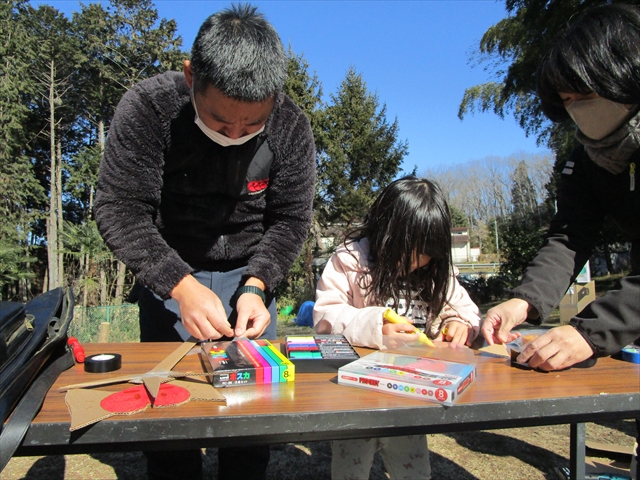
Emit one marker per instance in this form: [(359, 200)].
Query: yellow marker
[(393, 317)]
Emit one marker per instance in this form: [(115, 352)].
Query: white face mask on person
[(220, 139), (598, 117)]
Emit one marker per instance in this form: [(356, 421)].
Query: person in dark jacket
[(205, 192), (591, 75)]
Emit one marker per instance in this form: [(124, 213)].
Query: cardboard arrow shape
[(152, 379)]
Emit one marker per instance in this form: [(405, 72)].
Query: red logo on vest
[(256, 186)]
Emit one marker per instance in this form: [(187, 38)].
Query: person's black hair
[(599, 52), (239, 52), (410, 216)]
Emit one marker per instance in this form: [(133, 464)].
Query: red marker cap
[(78, 351)]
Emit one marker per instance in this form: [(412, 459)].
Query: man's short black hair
[(239, 52)]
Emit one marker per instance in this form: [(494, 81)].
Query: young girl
[(399, 258)]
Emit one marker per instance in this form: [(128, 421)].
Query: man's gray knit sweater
[(171, 201)]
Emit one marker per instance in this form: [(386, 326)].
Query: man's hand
[(559, 348), (201, 310), (253, 316), (499, 321)]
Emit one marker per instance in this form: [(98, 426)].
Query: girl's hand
[(456, 333), (397, 334)]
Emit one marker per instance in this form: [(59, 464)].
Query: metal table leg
[(577, 458)]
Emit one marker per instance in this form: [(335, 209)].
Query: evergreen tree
[(361, 152), (523, 198), (138, 45), (522, 232), (520, 239), (19, 189), (84, 245), (306, 92), (458, 218)]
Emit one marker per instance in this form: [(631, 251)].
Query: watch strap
[(251, 289)]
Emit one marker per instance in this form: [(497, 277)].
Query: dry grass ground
[(513, 454)]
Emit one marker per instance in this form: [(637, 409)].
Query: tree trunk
[(84, 267), (60, 216), (122, 272), (52, 222), (25, 284), (103, 286), (101, 140)]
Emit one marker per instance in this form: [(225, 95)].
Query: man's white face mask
[(598, 117), (220, 139)]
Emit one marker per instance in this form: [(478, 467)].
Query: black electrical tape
[(103, 362)]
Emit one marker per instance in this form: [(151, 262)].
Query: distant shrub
[(485, 289), (122, 319)]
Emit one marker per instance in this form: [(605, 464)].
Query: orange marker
[(393, 317)]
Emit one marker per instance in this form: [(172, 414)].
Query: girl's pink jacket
[(342, 307)]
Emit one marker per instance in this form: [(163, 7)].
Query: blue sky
[(415, 55)]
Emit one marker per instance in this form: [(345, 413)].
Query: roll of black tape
[(103, 362)]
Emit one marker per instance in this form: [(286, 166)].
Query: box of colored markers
[(319, 353), (423, 378), (246, 362)]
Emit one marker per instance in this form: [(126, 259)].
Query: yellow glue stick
[(393, 317)]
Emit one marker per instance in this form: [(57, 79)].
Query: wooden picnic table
[(315, 408)]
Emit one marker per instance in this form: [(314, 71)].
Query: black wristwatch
[(251, 289)]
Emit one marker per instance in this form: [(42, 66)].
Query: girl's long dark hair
[(599, 53), (409, 216)]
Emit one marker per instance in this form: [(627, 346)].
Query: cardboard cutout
[(90, 406)]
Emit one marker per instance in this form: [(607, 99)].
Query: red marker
[(78, 351)]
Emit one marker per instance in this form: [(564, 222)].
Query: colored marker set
[(423, 378), (319, 353), (246, 362)]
